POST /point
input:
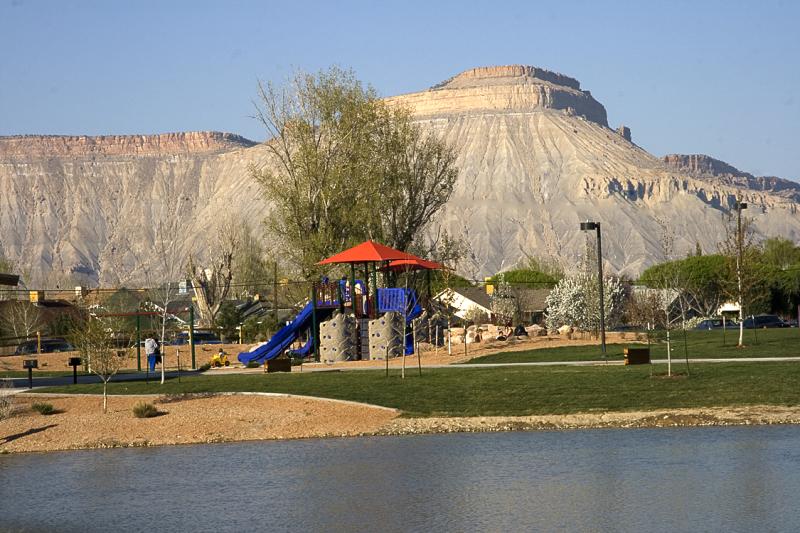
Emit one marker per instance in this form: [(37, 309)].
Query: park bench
[(279, 364)]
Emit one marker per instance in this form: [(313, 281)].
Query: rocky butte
[(536, 155)]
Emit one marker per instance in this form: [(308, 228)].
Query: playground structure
[(352, 319)]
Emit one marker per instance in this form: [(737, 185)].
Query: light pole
[(739, 259), (588, 226)]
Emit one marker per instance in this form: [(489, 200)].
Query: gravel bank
[(712, 416)]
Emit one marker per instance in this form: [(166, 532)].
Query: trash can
[(637, 356)]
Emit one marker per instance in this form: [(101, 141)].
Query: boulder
[(536, 331), (473, 336)]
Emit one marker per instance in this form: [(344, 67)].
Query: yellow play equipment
[(220, 359)]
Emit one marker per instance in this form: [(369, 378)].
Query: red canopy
[(367, 252), (417, 263)]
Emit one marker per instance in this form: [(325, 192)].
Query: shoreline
[(245, 417)]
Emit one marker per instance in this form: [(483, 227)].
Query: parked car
[(716, 323), (200, 337), (48, 346), (764, 321)]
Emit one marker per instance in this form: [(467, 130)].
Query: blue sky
[(709, 77)]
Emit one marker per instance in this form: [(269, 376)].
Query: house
[(463, 299), (530, 304)]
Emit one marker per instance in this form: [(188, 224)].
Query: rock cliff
[(506, 89), (713, 170), (536, 157), (92, 208), (48, 146)]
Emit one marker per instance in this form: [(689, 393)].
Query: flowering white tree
[(504, 305), (574, 301)]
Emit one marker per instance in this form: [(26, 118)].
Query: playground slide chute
[(282, 339)]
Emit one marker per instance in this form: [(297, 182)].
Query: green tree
[(228, 319), (344, 167), (526, 278), (702, 278), (253, 273), (781, 259)]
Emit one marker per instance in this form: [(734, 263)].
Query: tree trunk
[(105, 397), (669, 356), (161, 348), (741, 327)]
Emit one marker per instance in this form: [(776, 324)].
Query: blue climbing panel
[(391, 300)]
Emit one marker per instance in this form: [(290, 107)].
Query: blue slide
[(284, 337), (413, 310)]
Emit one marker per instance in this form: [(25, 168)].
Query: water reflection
[(708, 479)]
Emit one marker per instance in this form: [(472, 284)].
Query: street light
[(589, 226), (739, 245)]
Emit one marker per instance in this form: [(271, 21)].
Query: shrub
[(204, 367), (253, 364), (43, 408), (145, 410)]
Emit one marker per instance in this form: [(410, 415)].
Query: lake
[(697, 479)]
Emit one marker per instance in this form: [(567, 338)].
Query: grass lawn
[(699, 344), (511, 391)]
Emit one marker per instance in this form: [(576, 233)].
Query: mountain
[(536, 156)]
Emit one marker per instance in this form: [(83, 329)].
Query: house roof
[(533, 299), (475, 294)]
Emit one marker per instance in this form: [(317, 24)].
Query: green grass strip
[(510, 391)]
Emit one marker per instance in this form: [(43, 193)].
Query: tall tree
[(415, 174), (344, 167)]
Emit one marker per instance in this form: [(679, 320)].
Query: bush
[(145, 410), (43, 408), (253, 364), (204, 367)]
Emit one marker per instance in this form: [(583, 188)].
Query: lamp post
[(589, 226), (739, 259)]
